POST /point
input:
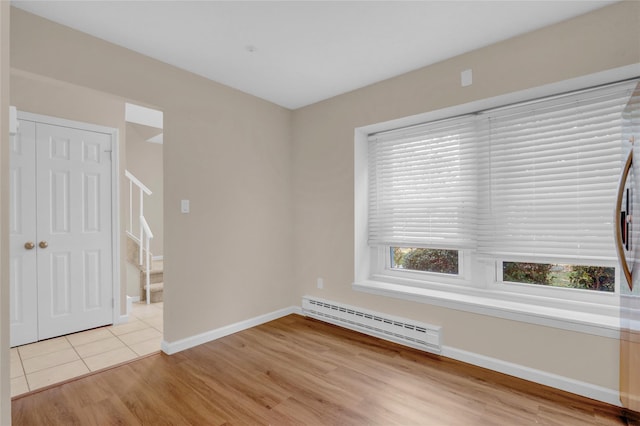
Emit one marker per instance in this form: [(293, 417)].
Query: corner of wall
[(5, 383)]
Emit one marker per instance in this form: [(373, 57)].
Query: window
[(553, 169), (422, 194), (528, 188)]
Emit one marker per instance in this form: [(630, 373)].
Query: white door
[(23, 287), (72, 232)]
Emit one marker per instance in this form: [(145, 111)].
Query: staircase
[(138, 254), (156, 271), (156, 282)]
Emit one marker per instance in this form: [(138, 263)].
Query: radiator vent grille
[(400, 330)]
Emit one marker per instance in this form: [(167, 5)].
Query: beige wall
[(39, 95), (323, 181), (144, 160), (227, 152), (5, 389)]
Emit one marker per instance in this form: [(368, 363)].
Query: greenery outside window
[(586, 277), (442, 261)]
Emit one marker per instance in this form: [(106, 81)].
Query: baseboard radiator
[(400, 330)]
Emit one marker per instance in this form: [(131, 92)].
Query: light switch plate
[(184, 206), (13, 120)]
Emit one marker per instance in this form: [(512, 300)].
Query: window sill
[(600, 324)]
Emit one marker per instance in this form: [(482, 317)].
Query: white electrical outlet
[(184, 206), (466, 78), (320, 283)]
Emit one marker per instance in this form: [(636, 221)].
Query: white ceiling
[(295, 53)]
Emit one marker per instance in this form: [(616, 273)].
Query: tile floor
[(55, 360)]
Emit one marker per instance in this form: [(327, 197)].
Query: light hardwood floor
[(301, 371)]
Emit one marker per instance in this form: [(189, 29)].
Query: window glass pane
[(598, 278), (425, 259)]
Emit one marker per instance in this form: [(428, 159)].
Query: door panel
[(57, 264), (74, 220), (59, 203), (22, 229)]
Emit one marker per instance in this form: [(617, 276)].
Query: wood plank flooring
[(300, 371)]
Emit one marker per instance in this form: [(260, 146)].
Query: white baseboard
[(171, 348), (599, 393), (124, 318), (567, 384)]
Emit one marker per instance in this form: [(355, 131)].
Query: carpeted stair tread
[(155, 287)]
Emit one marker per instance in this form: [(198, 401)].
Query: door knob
[(29, 245), (43, 244)]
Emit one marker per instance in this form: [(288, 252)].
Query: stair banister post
[(148, 235), (141, 215), (148, 271), (130, 206)]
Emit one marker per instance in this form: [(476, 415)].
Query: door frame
[(115, 195)]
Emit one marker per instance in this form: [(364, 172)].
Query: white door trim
[(115, 194)]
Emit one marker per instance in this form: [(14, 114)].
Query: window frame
[(477, 288)]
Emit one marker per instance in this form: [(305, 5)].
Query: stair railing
[(148, 235), (145, 231)]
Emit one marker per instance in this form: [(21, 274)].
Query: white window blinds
[(552, 171), (422, 185), (532, 181)]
